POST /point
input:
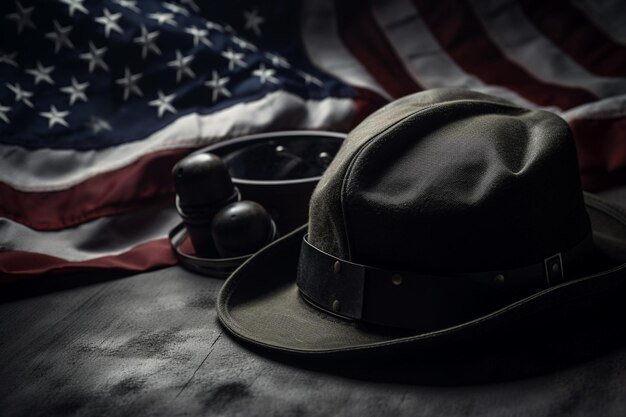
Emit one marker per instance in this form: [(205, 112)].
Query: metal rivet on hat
[(337, 267), (336, 306), (324, 156), (396, 279), (280, 148), (499, 279)]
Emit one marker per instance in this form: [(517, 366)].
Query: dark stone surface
[(150, 344)]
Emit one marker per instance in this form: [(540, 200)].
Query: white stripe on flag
[(524, 44), (425, 59), (608, 108), (325, 49), (105, 236), (57, 169)]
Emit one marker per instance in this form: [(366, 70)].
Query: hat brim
[(260, 302)]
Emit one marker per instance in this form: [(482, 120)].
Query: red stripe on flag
[(462, 35), (362, 36), (366, 102), (139, 184), (19, 264), (599, 181), (601, 151), (574, 33)]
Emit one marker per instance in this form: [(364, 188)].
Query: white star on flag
[(216, 84), (214, 26), (41, 73), (129, 4), (175, 8), (109, 20), (199, 35), (253, 21), (76, 91), (55, 117), (244, 44), (74, 5), (147, 40), (192, 4), (164, 103), (3, 113), (277, 60), (22, 17), (265, 74), (21, 95), (60, 36), (129, 82), (97, 124), (234, 58), (308, 79), (94, 56), (163, 18), (7, 58), (181, 63)]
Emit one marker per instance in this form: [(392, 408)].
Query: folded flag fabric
[(98, 99)]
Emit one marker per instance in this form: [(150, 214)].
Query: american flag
[(98, 99)]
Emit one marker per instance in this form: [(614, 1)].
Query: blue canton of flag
[(88, 75)]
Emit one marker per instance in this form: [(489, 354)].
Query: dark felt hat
[(445, 215)]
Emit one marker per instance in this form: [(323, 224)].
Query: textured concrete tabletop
[(150, 344)]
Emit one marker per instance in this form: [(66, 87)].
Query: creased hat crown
[(451, 181)]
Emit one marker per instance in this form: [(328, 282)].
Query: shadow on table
[(521, 351), (46, 284)]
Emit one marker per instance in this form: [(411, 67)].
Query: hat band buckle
[(422, 300)]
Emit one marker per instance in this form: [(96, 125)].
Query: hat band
[(425, 301)]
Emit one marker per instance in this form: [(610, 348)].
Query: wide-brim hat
[(445, 216)]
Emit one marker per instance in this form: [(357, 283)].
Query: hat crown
[(450, 181)]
